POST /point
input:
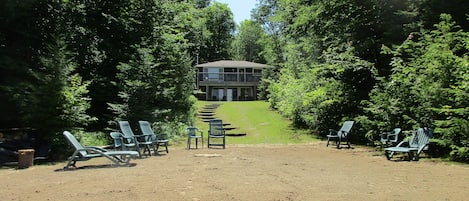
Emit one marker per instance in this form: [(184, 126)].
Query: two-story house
[(229, 80)]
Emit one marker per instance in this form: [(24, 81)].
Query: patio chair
[(390, 138), (82, 153), (143, 141), (216, 132), (414, 146), (196, 134), (117, 138), (340, 135), (159, 139)]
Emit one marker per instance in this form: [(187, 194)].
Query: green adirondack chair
[(412, 147), (82, 153), (341, 135)]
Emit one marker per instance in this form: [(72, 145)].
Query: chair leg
[(416, 157), (188, 143), (146, 148), (224, 142), (388, 155), (328, 139)]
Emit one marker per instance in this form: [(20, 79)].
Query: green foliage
[(156, 83), (59, 100), (261, 124), (321, 95), (428, 86), (247, 44), (221, 26), (92, 138)]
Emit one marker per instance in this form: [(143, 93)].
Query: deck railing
[(229, 77)]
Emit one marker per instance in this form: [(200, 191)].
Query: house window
[(214, 74), (257, 71), (231, 75)]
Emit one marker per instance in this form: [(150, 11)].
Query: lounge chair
[(340, 135), (196, 134), (142, 141), (82, 153), (412, 147), (216, 132)]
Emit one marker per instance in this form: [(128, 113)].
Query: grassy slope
[(261, 124)]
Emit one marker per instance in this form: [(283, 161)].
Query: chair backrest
[(191, 131), (116, 136), (346, 127), (421, 138), (145, 127), (126, 130), (74, 142), (216, 127)]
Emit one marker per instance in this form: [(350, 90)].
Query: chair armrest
[(344, 133), (93, 148), (332, 131), (401, 143)]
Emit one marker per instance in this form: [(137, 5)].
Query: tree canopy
[(383, 63)]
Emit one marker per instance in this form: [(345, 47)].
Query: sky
[(241, 8)]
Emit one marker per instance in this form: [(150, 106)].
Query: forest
[(84, 64)]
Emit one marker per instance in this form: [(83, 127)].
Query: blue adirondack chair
[(341, 135), (412, 147)]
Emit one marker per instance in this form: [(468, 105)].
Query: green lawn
[(260, 124)]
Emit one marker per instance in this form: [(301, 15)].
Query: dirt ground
[(244, 172)]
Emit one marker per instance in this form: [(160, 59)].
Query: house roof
[(234, 64)]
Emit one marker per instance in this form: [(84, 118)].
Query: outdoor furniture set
[(127, 145), (132, 145), (412, 146)]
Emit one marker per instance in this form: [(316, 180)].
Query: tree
[(157, 82), (221, 26), (247, 45), (428, 87)]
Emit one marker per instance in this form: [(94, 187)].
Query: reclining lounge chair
[(82, 153)]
